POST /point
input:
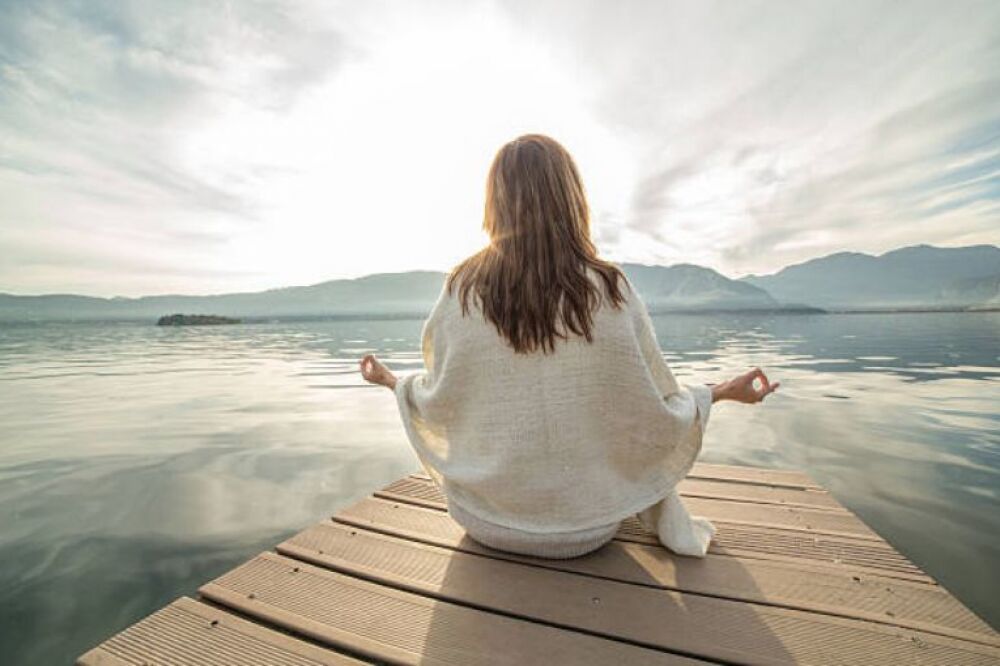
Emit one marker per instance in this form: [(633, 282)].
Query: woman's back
[(571, 439), (546, 406)]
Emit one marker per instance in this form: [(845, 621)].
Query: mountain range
[(908, 278)]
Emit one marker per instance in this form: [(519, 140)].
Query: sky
[(194, 146)]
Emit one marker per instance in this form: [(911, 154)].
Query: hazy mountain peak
[(906, 277), (919, 275), (689, 286)]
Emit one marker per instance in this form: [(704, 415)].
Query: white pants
[(668, 519)]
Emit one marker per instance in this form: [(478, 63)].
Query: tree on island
[(194, 320)]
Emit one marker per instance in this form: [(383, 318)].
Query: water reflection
[(137, 462)]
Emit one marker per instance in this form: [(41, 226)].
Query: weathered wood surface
[(792, 577)]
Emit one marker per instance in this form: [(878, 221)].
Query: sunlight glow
[(220, 147), (344, 168)]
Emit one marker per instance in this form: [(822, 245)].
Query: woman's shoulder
[(448, 306), (459, 300), (629, 296)]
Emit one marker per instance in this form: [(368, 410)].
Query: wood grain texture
[(712, 628), (386, 623), (787, 478), (794, 515), (191, 633), (754, 493), (516, 582), (743, 540), (783, 517), (779, 478), (791, 577)]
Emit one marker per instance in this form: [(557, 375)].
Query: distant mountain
[(679, 287), (917, 276), (911, 277), (386, 293), (974, 293), (690, 287)]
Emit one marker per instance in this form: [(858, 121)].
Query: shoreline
[(409, 316)]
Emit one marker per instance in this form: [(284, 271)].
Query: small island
[(195, 320)]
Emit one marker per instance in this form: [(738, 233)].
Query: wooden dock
[(792, 578)]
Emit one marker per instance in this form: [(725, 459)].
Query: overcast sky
[(198, 147)]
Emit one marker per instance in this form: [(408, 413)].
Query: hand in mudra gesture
[(375, 372), (743, 388)]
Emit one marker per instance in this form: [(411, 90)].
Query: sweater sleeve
[(669, 519), (417, 398), (677, 397)]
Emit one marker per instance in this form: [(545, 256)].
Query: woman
[(547, 413)]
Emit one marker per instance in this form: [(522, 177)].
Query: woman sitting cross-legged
[(546, 412)]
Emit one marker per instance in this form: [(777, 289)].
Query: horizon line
[(445, 272)]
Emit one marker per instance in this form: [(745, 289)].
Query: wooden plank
[(787, 478), (429, 569), (759, 494), (389, 624), (709, 627), (438, 528), (792, 577), (419, 489), (778, 478), (735, 492), (429, 525), (783, 517), (737, 540), (424, 492), (752, 541), (100, 657), (194, 634)]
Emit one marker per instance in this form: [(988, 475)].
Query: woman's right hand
[(742, 388), (375, 372)]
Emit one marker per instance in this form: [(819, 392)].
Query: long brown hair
[(533, 274)]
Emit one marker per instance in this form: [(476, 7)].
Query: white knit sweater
[(559, 442)]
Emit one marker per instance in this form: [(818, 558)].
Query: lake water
[(138, 462)]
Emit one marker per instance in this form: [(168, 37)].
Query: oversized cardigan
[(565, 441)]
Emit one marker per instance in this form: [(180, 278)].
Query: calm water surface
[(138, 462)]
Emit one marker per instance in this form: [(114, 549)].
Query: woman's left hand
[(742, 388), (375, 372)]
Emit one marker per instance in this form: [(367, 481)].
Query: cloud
[(927, 173), (207, 145), (770, 132), (97, 97)]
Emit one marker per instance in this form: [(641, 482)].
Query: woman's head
[(532, 276), (534, 195)]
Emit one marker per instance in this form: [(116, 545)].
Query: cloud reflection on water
[(137, 462)]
